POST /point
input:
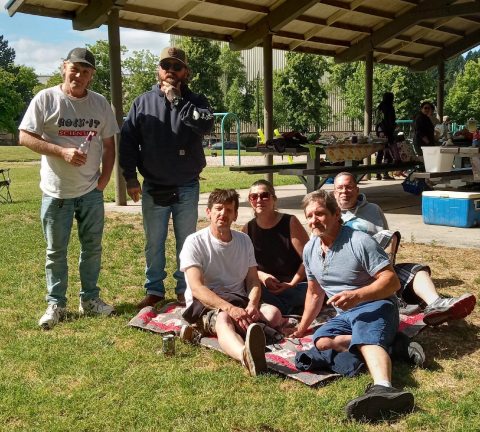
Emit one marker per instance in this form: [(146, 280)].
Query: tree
[(463, 100), (11, 103), (408, 87), (52, 81), (203, 55), (303, 97), (101, 80), (25, 82), (140, 75), (7, 54)]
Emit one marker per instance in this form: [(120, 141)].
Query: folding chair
[(5, 181)]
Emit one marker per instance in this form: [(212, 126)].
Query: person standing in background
[(386, 128)]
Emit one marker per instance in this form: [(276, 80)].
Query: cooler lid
[(452, 194)]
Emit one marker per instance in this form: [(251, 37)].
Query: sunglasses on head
[(262, 195), (177, 67)]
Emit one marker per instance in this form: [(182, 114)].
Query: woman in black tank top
[(278, 240)]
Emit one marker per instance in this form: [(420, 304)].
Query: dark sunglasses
[(177, 67), (262, 195)]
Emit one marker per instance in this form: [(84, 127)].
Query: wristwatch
[(176, 101)]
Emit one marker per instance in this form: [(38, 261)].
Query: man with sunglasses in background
[(162, 139)]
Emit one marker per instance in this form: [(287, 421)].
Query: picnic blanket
[(280, 356)]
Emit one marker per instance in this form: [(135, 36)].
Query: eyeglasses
[(262, 195), (345, 188), (177, 67)]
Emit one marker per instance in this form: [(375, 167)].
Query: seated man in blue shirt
[(355, 273), (415, 280)]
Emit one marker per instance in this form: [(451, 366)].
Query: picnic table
[(317, 169), (469, 175)]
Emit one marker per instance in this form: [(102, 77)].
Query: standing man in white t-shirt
[(73, 129), (223, 290)]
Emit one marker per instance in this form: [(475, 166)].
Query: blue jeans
[(155, 223), (57, 220), (372, 323)]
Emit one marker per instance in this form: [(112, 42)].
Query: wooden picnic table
[(315, 172)]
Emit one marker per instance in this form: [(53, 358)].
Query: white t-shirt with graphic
[(67, 121)]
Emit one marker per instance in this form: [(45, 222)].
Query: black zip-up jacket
[(162, 141)]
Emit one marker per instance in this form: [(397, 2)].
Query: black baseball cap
[(81, 55)]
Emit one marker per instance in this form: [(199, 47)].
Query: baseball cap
[(174, 53), (81, 55)]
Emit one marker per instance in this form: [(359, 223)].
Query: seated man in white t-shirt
[(223, 289)]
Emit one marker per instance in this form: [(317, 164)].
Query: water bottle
[(354, 139), (85, 146)]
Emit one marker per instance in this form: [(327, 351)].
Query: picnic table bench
[(315, 178)]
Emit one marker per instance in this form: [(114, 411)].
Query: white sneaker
[(52, 316), (95, 306)]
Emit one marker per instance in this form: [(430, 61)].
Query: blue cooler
[(457, 209)]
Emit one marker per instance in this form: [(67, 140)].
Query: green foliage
[(52, 81), (408, 87), (301, 96), (140, 75), (463, 100), (236, 91), (7, 54), (101, 79), (248, 140), (11, 103), (203, 56)]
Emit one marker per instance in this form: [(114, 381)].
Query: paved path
[(402, 210)]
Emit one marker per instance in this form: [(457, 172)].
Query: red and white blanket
[(280, 356)]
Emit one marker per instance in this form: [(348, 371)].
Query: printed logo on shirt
[(78, 123), (75, 133)]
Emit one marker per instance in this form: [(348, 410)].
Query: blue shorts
[(372, 323)]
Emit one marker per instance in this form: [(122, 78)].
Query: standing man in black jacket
[(162, 138)]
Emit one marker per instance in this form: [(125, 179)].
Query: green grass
[(91, 374)]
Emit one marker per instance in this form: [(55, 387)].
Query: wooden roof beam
[(469, 41), (429, 9), (95, 14), (43, 11), (271, 23)]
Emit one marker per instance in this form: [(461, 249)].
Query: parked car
[(208, 140), (227, 145)]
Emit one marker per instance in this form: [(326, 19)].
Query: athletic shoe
[(52, 316), (95, 306), (379, 402), (189, 334), (254, 351), (150, 300), (405, 349), (446, 309), (378, 177)]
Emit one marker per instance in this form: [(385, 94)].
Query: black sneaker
[(405, 349), (379, 402), (446, 309)]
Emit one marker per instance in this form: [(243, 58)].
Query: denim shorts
[(372, 323)]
